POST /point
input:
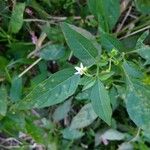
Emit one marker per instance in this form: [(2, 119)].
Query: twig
[(136, 136), (124, 19), (32, 65), (54, 20), (133, 16), (9, 147), (38, 44), (11, 139), (39, 20), (133, 33), (124, 4)]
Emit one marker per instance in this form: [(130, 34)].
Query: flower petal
[(77, 68), (77, 73), (81, 66)]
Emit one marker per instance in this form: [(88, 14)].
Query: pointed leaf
[(62, 111), (84, 95), (137, 101), (142, 49), (126, 146), (84, 118), (109, 42), (16, 20), (101, 102), (71, 134), (52, 52), (113, 134), (53, 90), (82, 43), (107, 16)]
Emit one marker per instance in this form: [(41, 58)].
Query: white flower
[(81, 70)]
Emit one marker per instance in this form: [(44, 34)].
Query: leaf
[(107, 12), (71, 134), (137, 101), (113, 134), (57, 88), (84, 95), (141, 39), (113, 94), (19, 50), (144, 52), (106, 75), (142, 49), (16, 89), (101, 102), (16, 20), (143, 6), (109, 42), (3, 101), (108, 135), (82, 43), (52, 52), (88, 84), (126, 146), (84, 117), (146, 133), (132, 70), (62, 111), (38, 7)]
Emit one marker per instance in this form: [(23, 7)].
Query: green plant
[(108, 94)]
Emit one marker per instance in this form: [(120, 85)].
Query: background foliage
[(45, 103)]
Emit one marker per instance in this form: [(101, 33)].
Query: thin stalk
[(31, 66)]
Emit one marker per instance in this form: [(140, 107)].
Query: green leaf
[(16, 89), (141, 39), (88, 84), (144, 52), (137, 101), (52, 52), (20, 49), (62, 111), (57, 88), (106, 75), (113, 134), (16, 20), (109, 42), (132, 70), (101, 102), (84, 117), (82, 43), (143, 6), (142, 49), (71, 134), (3, 101), (113, 94), (126, 146), (107, 12), (38, 8), (84, 95), (109, 134)]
